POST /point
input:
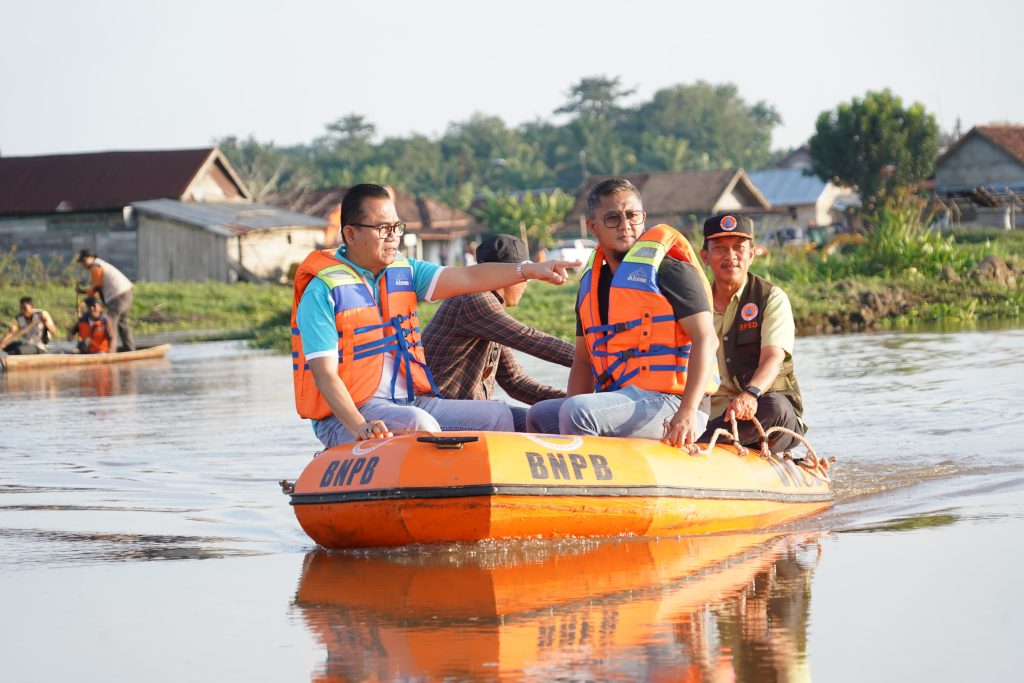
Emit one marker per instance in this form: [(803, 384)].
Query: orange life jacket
[(96, 332), (365, 332), (641, 345)]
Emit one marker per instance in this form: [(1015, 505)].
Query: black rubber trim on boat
[(536, 490)]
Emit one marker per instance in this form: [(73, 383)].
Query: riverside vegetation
[(897, 276)]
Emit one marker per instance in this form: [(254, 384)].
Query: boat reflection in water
[(712, 608), (87, 381)]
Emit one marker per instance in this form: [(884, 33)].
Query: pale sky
[(83, 75)]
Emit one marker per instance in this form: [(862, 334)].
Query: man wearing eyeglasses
[(645, 342), (357, 360)]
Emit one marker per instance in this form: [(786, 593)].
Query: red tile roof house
[(435, 231), (682, 199), (980, 179), (57, 204)]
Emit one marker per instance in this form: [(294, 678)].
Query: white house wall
[(274, 254), (823, 209), (729, 202)]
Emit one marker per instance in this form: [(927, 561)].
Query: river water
[(143, 536)]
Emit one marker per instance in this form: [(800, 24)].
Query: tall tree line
[(681, 127)]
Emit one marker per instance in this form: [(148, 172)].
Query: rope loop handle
[(812, 462)]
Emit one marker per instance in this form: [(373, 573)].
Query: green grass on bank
[(233, 311), (861, 287)]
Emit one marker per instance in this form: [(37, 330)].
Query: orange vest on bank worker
[(96, 332), (641, 345), (365, 332)]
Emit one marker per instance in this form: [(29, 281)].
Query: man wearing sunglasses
[(645, 342), (357, 359)]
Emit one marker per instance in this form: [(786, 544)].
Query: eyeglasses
[(384, 231), (613, 219)]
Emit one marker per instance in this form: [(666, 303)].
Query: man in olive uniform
[(754, 323)]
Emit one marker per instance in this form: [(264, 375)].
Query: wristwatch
[(752, 390)]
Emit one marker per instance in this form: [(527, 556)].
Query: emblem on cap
[(749, 312), (728, 222)]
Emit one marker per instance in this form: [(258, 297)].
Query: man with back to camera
[(30, 332), (358, 365), (645, 342), (469, 341), (754, 321), (115, 290)]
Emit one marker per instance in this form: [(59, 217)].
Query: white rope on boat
[(810, 462)]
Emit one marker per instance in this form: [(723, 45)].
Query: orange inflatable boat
[(689, 609), (471, 486)]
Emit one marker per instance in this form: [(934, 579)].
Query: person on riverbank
[(94, 329), (754, 323), (358, 365), (30, 332), (469, 341), (115, 290), (645, 342)]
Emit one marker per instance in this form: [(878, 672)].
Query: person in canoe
[(754, 321), (94, 330), (30, 332), (358, 365), (645, 343), (469, 341), (115, 290)]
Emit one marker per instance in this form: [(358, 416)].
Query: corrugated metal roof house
[(56, 204), (222, 241), (801, 200)]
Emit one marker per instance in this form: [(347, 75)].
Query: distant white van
[(572, 250)]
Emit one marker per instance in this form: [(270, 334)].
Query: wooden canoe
[(60, 360), (471, 486)]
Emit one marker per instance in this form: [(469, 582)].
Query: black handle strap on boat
[(448, 442)]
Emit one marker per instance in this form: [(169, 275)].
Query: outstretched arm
[(485, 277)]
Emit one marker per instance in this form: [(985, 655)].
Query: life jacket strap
[(607, 381)]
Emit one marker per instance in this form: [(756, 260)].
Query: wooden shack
[(223, 241), (54, 205)]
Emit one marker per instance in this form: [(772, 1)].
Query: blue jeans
[(424, 414), (630, 411)]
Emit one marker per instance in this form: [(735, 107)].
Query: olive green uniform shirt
[(777, 329)]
